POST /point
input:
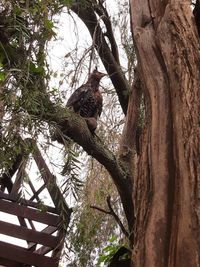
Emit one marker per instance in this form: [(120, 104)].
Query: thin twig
[(112, 213), (100, 209)]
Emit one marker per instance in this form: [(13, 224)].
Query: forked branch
[(109, 57), (112, 213)]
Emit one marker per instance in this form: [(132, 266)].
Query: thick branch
[(88, 16), (75, 127), (102, 12)]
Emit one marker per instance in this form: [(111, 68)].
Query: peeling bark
[(167, 48), (129, 140)]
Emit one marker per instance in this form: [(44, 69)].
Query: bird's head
[(96, 75)]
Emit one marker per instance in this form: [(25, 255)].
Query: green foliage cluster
[(109, 251), (92, 228), (91, 232), (72, 184), (26, 27)]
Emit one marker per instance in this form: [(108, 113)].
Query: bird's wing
[(99, 110), (99, 103), (77, 96)]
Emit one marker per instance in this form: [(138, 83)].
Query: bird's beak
[(101, 75)]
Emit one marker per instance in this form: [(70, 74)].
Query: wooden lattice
[(43, 246)]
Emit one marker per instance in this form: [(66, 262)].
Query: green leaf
[(66, 3), (102, 258), (17, 11), (112, 239), (48, 24), (2, 76), (35, 69)]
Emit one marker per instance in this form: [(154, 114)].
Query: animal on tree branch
[(87, 100)]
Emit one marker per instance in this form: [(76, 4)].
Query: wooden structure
[(43, 227)]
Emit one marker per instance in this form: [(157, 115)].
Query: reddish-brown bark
[(166, 202)]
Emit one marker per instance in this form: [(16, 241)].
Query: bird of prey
[(87, 99)]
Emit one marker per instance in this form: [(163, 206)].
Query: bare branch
[(102, 12), (100, 209), (112, 213), (87, 15)]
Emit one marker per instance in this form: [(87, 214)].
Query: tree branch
[(87, 14), (103, 14), (112, 213), (100, 209), (116, 217), (75, 127)]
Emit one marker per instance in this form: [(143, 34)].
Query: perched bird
[(87, 99)]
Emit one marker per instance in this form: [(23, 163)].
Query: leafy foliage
[(26, 95), (72, 183), (110, 250)]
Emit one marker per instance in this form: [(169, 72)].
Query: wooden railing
[(43, 244)]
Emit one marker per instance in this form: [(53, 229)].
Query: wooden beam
[(35, 195), (26, 202), (10, 252), (26, 212), (43, 250), (50, 181), (57, 251), (19, 178), (48, 230), (10, 263), (33, 189), (31, 224), (28, 234)]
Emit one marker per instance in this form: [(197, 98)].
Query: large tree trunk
[(167, 186)]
